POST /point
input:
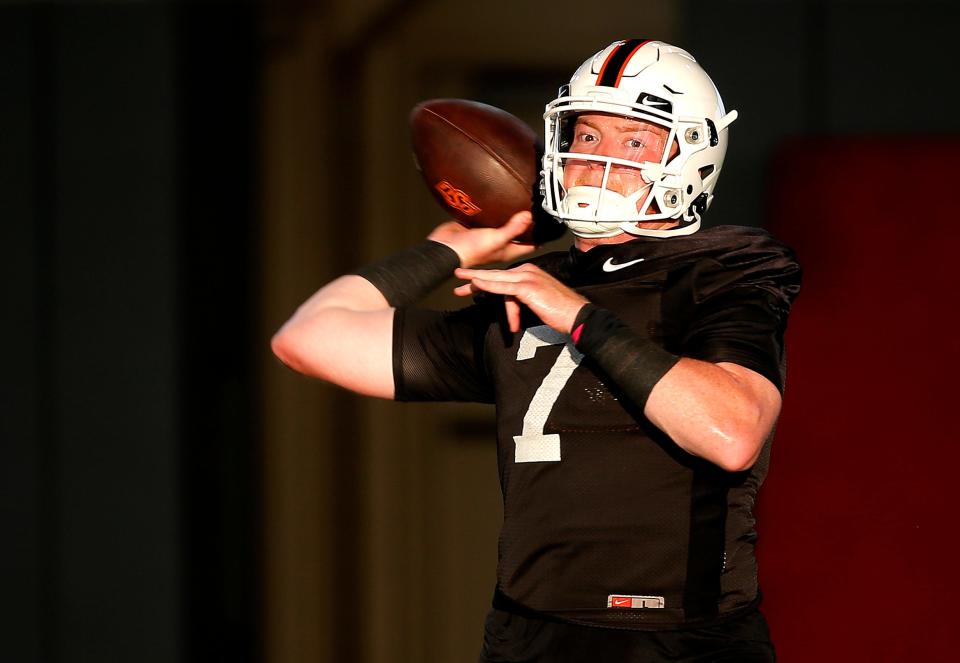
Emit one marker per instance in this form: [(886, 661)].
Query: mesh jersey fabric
[(598, 502)]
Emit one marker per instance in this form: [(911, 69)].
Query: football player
[(636, 386)]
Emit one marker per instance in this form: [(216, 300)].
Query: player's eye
[(636, 143)]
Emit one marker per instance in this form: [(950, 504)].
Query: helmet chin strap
[(634, 229)]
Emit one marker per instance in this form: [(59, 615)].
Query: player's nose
[(608, 147)]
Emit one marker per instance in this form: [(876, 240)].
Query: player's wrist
[(481, 246), (465, 257), (410, 275), (576, 329), (458, 239), (634, 362), (470, 251)]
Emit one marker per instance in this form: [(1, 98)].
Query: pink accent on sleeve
[(576, 333)]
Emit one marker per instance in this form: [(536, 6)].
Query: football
[(481, 163)]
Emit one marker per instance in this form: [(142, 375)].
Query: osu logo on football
[(456, 198)]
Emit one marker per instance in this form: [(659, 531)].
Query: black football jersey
[(606, 520)]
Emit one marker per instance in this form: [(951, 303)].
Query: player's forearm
[(398, 280), (344, 332), (717, 412), (723, 413)]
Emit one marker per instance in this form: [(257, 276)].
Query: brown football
[(481, 163)]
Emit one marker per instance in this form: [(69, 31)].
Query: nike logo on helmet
[(610, 266), (647, 99)]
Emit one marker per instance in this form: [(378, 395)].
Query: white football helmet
[(641, 80)]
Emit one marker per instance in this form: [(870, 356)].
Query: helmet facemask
[(598, 192)]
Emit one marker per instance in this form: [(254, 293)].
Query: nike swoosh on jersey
[(610, 266)]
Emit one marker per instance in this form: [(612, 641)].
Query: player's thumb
[(517, 224)]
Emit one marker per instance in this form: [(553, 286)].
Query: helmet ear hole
[(705, 172)]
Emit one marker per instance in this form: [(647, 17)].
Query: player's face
[(608, 135)]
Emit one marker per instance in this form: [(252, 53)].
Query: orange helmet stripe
[(612, 70)]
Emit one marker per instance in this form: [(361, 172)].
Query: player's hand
[(478, 246), (553, 302)]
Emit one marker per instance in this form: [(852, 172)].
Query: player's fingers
[(527, 267), (513, 313), (497, 287), (506, 275), (464, 290)]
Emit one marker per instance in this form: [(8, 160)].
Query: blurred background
[(178, 177)]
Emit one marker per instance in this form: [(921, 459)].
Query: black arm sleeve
[(408, 276), (438, 356), (633, 362)]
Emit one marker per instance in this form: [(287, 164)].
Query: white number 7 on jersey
[(532, 444)]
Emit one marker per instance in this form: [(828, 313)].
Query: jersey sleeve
[(438, 355), (744, 326), (738, 313)]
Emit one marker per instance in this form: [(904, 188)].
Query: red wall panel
[(858, 518)]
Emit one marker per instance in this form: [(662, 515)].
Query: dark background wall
[(814, 68), (148, 203), (129, 436)]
